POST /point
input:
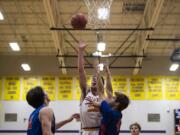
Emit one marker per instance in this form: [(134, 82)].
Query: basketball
[(78, 21)]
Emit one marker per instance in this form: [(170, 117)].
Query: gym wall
[(153, 100)]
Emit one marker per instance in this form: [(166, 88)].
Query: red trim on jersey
[(103, 129)]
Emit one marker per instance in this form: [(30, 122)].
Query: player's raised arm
[(100, 83), (81, 70), (109, 89)]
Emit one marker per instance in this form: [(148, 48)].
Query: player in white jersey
[(90, 118)]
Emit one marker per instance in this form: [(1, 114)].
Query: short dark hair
[(122, 99), (35, 97), (135, 124)]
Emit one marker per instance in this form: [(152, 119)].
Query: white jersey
[(89, 119)]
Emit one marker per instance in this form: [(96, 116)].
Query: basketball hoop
[(98, 13)]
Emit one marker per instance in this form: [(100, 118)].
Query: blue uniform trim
[(111, 120), (34, 124)]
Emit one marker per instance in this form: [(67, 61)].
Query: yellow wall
[(67, 87)]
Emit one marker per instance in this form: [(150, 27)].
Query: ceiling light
[(1, 16), (25, 67), (101, 66), (97, 53), (103, 13), (101, 46), (14, 46), (174, 67)]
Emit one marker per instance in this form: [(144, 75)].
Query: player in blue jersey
[(42, 120), (111, 112)]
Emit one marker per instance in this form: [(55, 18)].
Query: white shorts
[(90, 132)]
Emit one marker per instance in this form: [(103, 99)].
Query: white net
[(98, 13)]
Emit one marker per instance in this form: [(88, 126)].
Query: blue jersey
[(111, 120), (34, 124)]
